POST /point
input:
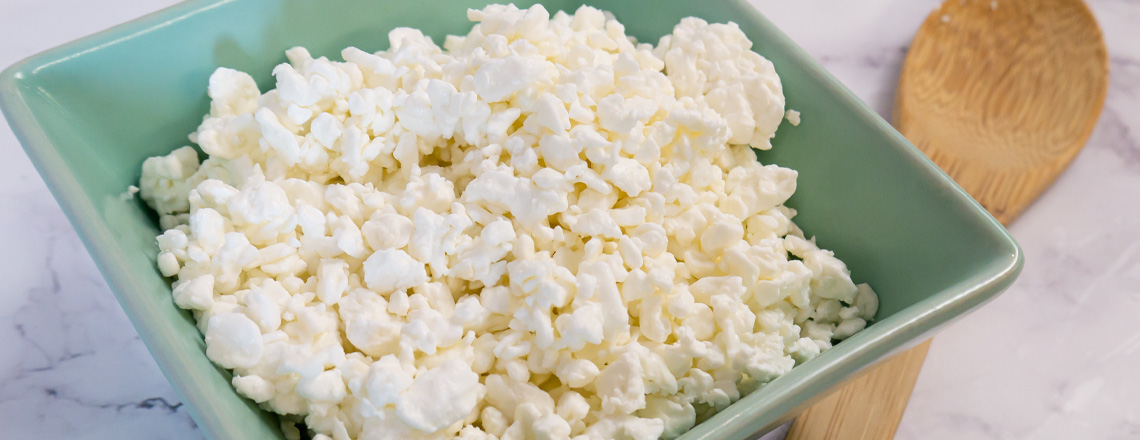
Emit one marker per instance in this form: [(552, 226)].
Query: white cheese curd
[(543, 229), (793, 117)]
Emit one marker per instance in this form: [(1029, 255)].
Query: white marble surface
[(1053, 358)]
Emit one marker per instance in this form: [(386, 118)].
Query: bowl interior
[(90, 112)]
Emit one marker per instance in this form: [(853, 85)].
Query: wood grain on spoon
[(1002, 95)]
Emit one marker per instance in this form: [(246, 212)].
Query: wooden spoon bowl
[(1002, 95)]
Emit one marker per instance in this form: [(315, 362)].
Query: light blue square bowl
[(90, 111)]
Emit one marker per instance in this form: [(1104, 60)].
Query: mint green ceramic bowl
[(89, 112)]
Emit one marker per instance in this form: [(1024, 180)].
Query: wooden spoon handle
[(869, 407)]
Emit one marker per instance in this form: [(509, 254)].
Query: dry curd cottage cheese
[(542, 230)]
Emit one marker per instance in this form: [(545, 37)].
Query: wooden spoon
[(1002, 95)]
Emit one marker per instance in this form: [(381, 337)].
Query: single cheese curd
[(543, 229)]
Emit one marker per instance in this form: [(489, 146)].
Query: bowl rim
[(897, 332)]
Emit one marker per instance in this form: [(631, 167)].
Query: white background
[(1054, 357)]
